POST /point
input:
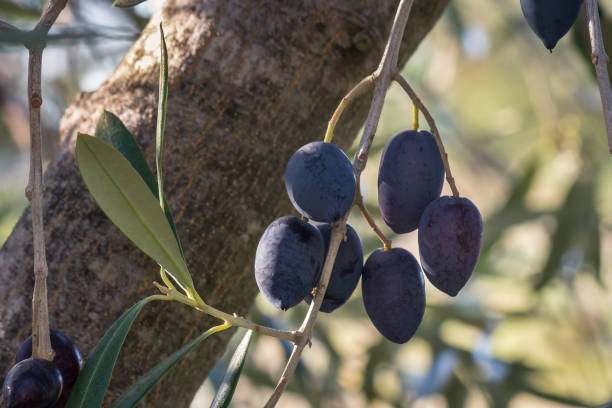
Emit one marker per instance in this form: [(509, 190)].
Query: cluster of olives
[(410, 180), (320, 182), (321, 185), (551, 19), (38, 383)]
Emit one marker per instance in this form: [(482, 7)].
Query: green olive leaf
[(125, 198), (145, 384), (91, 384), (232, 375), (161, 117), (112, 131)]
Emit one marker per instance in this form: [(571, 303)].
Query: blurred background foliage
[(527, 144)]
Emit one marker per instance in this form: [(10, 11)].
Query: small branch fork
[(357, 90), (232, 320), (600, 61), (41, 344)]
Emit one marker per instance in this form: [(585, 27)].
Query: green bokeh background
[(527, 144)]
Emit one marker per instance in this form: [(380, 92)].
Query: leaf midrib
[(157, 241)]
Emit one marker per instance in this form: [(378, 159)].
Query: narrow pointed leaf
[(161, 116), (232, 375), (89, 389), (127, 3), (145, 384), (112, 131), (124, 197)]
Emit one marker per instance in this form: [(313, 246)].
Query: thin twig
[(600, 60), (49, 15), (434, 129), (366, 214), (292, 336), (382, 78), (199, 304), (357, 90), (36, 37), (41, 343)]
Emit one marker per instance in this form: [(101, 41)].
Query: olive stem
[(41, 341), (415, 117), (600, 61), (381, 78), (199, 304), (366, 214), (357, 90), (292, 336), (434, 129)]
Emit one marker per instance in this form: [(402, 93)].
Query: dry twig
[(41, 343)]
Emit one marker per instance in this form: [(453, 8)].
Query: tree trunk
[(250, 82)]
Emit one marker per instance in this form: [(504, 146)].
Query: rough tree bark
[(250, 82)]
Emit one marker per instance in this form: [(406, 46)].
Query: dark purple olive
[(320, 182), (32, 383), (551, 19), (394, 293), (450, 234), (289, 255), (68, 360), (410, 176)]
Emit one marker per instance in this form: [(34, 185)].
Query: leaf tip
[(81, 138)]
